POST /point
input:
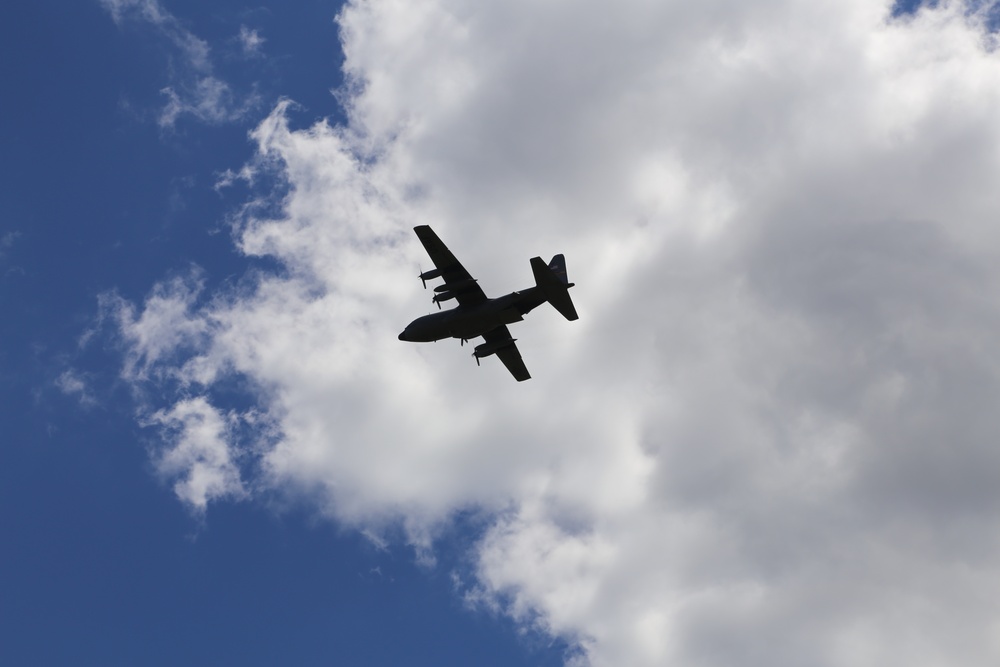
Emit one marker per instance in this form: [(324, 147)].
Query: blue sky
[(101, 564), (769, 439)]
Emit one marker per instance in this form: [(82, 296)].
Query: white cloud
[(194, 89), (167, 324), (198, 452), (769, 440), (208, 99)]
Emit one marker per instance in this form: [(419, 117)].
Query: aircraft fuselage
[(467, 322)]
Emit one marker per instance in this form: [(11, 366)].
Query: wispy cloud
[(210, 100), (251, 42), (7, 241), (194, 89), (195, 50), (73, 383), (769, 438), (168, 324)]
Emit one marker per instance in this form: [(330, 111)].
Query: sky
[(770, 438)]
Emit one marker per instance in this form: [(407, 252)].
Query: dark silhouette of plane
[(477, 315)]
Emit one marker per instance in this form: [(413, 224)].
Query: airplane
[(476, 314)]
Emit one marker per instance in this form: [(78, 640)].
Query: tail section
[(554, 284)]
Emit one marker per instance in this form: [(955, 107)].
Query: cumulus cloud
[(769, 439), (194, 89)]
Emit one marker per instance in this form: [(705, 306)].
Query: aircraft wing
[(508, 354), (456, 279)]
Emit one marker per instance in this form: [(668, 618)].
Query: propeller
[(429, 275)]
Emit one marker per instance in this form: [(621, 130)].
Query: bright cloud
[(198, 454), (166, 325), (769, 440)]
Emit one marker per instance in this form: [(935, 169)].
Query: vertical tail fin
[(553, 283), (558, 266)]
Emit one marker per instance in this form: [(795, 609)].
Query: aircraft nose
[(402, 336)]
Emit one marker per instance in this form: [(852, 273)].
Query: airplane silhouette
[(478, 315)]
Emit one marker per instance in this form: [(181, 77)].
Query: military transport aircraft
[(477, 315)]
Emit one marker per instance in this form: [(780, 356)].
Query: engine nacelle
[(486, 349), (444, 296), (456, 285)]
